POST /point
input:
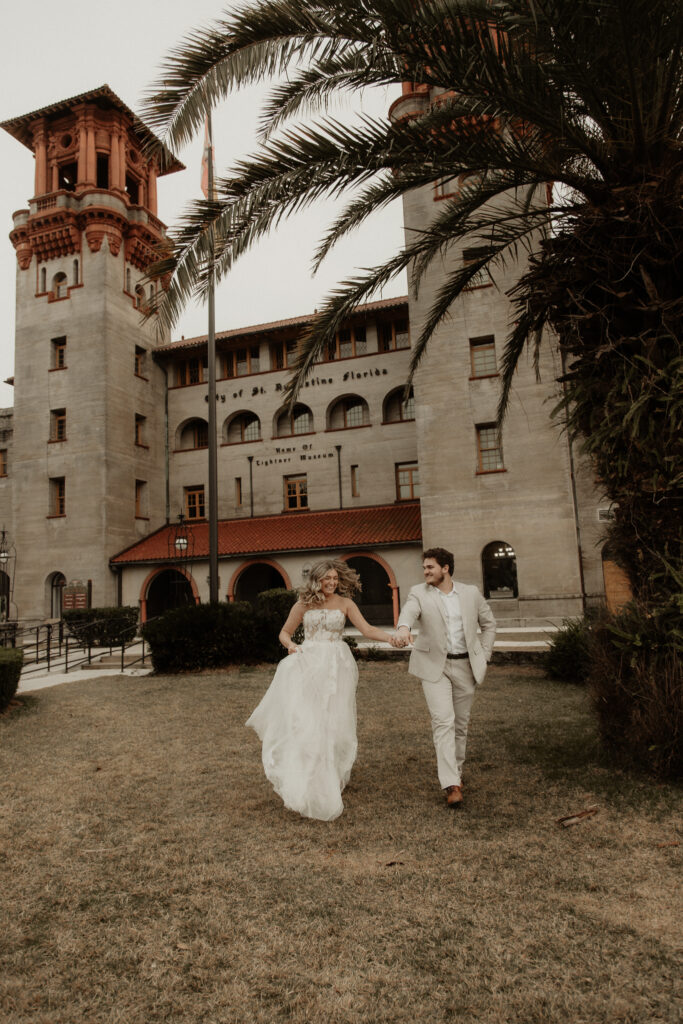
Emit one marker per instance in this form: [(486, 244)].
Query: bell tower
[(88, 460)]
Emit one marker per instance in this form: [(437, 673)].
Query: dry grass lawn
[(150, 874)]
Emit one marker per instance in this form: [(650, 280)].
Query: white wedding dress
[(307, 719)]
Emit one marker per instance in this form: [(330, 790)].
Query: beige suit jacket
[(425, 607)]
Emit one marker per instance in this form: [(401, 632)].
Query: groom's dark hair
[(441, 556)]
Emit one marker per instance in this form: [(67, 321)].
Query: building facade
[(103, 489)]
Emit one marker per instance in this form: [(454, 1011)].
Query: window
[(75, 272), (141, 499), (397, 407), (140, 299), (296, 493), (282, 355), (483, 356), (60, 286), (470, 256), (102, 170), (194, 502), (140, 354), (57, 496), (191, 371), (140, 430), (43, 280), (299, 421), (238, 492), (58, 353), (244, 427), (133, 189), (58, 425), (351, 411), (241, 362), (66, 177), (445, 187), (349, 341), (355, 486), (407, 481), (194, 434), (3, 462), (128, 280), (200, 434), (489, 449), (393, 335)]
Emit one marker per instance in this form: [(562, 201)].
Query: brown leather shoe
[(453, 796)]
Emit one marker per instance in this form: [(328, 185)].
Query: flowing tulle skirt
[(307, 725)]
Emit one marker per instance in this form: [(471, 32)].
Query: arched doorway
[(499, 570), (256, 578), (168, 589), (375, 599), (54, 587)]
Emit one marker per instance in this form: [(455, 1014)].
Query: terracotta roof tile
[(334, 529)]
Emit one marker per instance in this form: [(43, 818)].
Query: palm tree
[(584, 94)]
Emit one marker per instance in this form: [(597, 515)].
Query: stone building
[(103, 482)]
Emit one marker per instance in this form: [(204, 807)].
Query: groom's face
[(433, 572)]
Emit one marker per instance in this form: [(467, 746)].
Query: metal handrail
[(40, 641)]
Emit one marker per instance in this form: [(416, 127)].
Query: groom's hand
[(403, 637)]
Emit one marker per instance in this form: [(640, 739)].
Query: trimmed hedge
[(102, 627), (11, 661), (205, 636)]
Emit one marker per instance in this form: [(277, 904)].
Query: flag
[(206, 156)]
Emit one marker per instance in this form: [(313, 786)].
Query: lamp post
[(180, 551)]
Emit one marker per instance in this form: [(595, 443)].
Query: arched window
[(244, 426), (140, 301), (193, 434), (54, 586), (397, 407), (298, 421), (75, 272), (499, 570), (349, 411), (60, 285), (128, 281), (43, 280)]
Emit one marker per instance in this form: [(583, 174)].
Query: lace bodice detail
[(324, 625)]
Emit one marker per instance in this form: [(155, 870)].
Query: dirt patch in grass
[(150, 874)]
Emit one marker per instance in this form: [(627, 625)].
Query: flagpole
[(213, 440)]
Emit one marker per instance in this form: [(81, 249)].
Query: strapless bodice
[(324, 625)]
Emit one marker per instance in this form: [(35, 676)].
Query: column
[(115, 163), (90, 155), (40, 150), (122, 161), (152, 188)]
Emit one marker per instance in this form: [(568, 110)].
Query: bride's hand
[(293, 649)]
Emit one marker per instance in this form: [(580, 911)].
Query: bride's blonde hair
[(349, 581)]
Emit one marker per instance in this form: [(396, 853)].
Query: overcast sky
[(49, 52)]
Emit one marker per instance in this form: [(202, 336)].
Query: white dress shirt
[(455, 634)]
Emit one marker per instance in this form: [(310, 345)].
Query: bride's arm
[(294, 619), (371, 632)]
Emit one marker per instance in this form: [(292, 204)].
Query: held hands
[(293, 649), (402, 638)]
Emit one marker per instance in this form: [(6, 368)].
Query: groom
[(448, 656)]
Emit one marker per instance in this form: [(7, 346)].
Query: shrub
[(636, 682), (272, 608), (569, 657), (102, 627), (10, 669), (204, 636)]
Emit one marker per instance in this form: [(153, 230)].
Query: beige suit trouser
[(449, 700)]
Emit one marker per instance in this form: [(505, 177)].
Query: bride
[(307, 718)]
